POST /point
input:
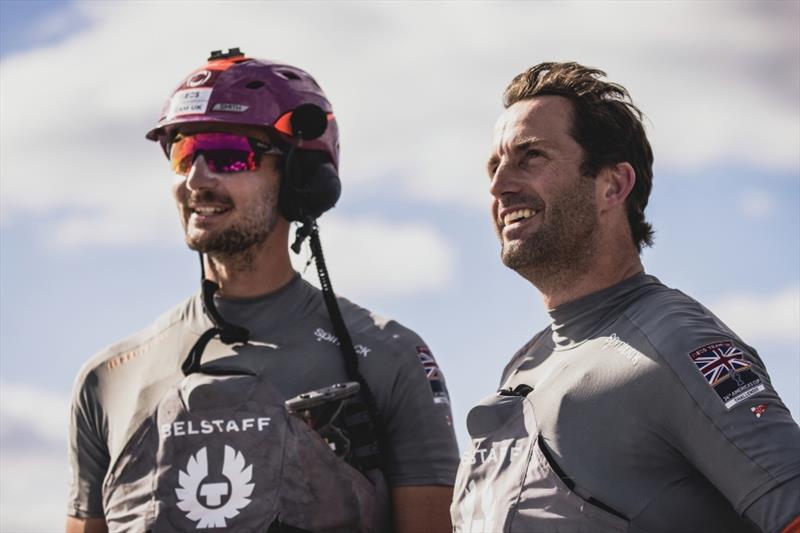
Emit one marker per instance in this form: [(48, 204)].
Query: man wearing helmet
[(183, 426)]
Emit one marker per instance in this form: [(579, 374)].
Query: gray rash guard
[(646, 414), (293, 346)]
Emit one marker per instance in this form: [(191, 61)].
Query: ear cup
[(310, 185)]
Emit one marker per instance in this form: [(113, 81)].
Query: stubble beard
[(562, 248), (236, 245)]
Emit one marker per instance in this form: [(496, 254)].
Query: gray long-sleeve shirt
[(293, 345), (650, 405)]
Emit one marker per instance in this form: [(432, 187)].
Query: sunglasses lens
[(226, 161), (223, 153)]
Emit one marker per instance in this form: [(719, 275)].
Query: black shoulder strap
[(366, 459)]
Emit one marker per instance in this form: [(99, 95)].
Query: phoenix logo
[(221, 500)]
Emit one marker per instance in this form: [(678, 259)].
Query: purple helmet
[(234, 89)]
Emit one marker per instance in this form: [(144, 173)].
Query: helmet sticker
[(189, 102), (204, 77), (232, 108), (198, 78)]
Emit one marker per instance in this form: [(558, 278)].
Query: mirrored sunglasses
[(224, 153)]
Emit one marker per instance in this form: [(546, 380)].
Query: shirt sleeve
[(88, 453), (732, 425), (419, 422), (778, 508)]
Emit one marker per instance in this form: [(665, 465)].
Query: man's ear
[(614, 184)]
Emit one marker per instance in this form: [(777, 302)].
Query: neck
[(259, 270), (608, 265)]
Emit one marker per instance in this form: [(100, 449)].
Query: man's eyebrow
[(520, 146), (530, 142)]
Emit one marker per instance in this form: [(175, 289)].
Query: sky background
[(91, 249)]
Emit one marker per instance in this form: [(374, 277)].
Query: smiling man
[(261, 403), (636, 409)]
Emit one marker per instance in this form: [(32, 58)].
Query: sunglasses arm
[(165, 147)]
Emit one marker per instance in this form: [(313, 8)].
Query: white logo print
[(215, 510), (327, 336), (198, 78)]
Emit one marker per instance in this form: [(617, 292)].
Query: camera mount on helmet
[(219, 54)]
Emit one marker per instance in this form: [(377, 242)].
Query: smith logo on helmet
[(231, 108), (210, 500)]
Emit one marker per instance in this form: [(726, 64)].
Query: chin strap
[(368, 425), (228, 333)]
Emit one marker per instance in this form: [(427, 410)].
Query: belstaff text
[(204, 427)]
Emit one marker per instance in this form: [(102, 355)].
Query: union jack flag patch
[(726, 369), (434, 375)]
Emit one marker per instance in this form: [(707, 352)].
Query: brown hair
[(605, 123)]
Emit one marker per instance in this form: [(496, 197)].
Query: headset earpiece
[(308, 122), (310, 185)]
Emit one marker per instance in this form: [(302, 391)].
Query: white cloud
[(36, 411), (33, 458), (770, 317), (416, 88), (33, 492), (370, 257), (124, 226)]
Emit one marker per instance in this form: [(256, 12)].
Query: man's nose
[(200, 176), (504, 180)]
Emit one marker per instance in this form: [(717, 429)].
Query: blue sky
[(25, 24), (90, 249)]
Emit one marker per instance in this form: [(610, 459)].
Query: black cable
[(346, 344), (228, 333)]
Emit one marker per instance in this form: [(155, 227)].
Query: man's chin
[(196, 243), (515, 256), (204, 243), (516, 264), (525, 260), (230, 243)]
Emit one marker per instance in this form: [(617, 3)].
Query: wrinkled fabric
[(293, 348), (648, 403), (509, 484), (221, 452)]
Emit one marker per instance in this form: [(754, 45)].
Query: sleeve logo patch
[(727, 371), (434, 375)]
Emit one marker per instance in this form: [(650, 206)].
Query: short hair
[(605, 123)]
